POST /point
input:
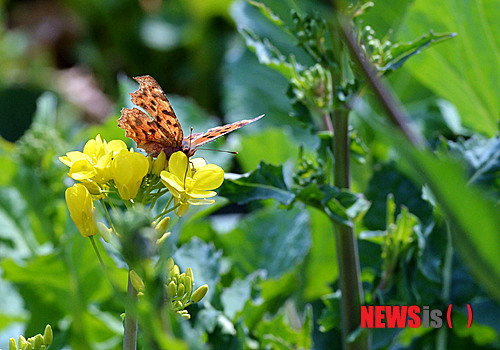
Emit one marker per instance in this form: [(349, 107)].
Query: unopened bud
[(47, 335), (177, 305), (189, 273), (180, 290), (162, 226), (199, 294), (22, 342), (150, 162), (28, 347), (104, 231), (136, 281), (37, 344), (175, 271), (184, 314), (188, 284), (162, 239), (170, 264), (12, 344), (172, 289), (159, 164)]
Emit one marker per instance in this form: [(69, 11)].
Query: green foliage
[(267, 252)]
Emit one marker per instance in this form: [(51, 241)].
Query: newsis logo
[(395, 316)]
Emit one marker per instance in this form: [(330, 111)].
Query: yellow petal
[(172, 182), (201, 194), (128, 170), (201, 201), (115, 146), (177, 165), (74, 156), (209, 177), (95, 148), (198, 162), (81, 170), (81, 209)]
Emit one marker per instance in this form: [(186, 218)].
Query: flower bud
[(81, 209), (170, 264), (22, 342), (47, 335), (188, 284), (159, 164), (28, 347), (189, 273), (38, 341), (136, 281), (104, 231), (175, 271), (180, 290), (199, 293), (162, 226), (128, 171), (172, 289), (162, 239), (184, 314), (12, 344), (177, 305)]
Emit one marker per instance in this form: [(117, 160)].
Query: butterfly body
[(160, 130)]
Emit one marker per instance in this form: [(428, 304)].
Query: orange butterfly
[(161, 131)]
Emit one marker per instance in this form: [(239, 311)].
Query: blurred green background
[(65, 73)]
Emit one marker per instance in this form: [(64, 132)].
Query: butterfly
[(160, 130)]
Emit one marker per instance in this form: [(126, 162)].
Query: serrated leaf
[(341, 206), (267, 53), (483, 159), (401, 52), (266, 11), (265, 182)]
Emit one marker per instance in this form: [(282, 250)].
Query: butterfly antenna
[(217, 150), (189, 162)]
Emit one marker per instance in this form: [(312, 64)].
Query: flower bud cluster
[(180, 289), (37, 342)]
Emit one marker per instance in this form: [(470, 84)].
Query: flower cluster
[(110, 173), (179, 288), (105, 168), (38, 342)]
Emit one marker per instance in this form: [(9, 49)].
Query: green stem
[(107, 214), (94, 245), (347, 248), (130, 333), (442, 336)]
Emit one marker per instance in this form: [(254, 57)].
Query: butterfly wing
[(192, 142), (160, 131)]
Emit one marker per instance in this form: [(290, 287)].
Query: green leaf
[(273, 145), (272, 239), (204, 260), (474, 218), (464, 71), (402, 51), (341, 206), (267, 54), (321, 265), (265, 182), (483, 159), (277, 333), (266, 11)]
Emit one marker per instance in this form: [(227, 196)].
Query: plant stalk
[(346, 242), (130, 333)]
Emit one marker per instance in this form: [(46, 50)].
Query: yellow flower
[(81, 209), (128, 170), (193, 184), (95, 161)]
